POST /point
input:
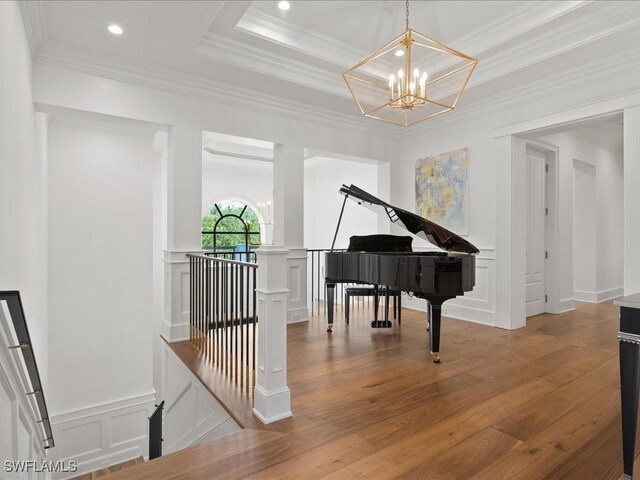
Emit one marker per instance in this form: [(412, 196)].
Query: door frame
[(551, 153)]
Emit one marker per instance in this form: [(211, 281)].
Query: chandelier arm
[(452, 72), (464, 85), (442, 45), (432, 47), (381, 51), (362, 80)]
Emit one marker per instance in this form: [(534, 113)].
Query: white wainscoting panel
[(103, 435), (477, 306), (176, 309), (191, 413), (21, 438), (297, 310)]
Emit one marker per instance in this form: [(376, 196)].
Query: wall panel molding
[(103, 435)]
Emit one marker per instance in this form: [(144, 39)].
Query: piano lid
[(415, 224)]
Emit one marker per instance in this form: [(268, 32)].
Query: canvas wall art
[(442, 190)]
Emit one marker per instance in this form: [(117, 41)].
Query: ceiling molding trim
[(222, 49), (564, 83), (223, 93), (527, 17), (35, 24), (546, 44), (326, 48), (559, 41)]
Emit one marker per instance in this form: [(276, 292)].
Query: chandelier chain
[(407, 19)]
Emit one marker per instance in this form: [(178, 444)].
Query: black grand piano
[(388, 261)]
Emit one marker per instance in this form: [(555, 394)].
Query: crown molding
[(256, 23), (530, 18), (222, 49), (599, 19), (608, 18), (35, 24), (198, 87), (527, 17)]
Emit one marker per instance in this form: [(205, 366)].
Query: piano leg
[(434, 331), (331, 290)]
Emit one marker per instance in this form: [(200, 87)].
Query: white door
[(535, 233)]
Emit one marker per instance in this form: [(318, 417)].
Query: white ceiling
[(299, 54)]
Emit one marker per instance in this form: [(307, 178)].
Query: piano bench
[(371, 292)]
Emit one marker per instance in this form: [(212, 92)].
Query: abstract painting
[(442, 190)]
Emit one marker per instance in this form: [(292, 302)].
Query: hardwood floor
[(539, 403)]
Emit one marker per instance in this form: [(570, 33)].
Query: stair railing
[(23, 344)]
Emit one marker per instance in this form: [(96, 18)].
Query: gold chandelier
[(411, 79)]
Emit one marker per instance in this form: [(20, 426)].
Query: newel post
[(272, 399)]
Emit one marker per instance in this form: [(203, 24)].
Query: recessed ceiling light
[(399, 52), (115, 29), (284, 5)]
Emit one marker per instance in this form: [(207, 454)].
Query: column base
[(272, 406)]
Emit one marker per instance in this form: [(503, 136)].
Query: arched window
[(230, 228)]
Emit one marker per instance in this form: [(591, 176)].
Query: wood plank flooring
[(539, 403)]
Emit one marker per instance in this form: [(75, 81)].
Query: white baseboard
[(566, 305), (103, 435), (468, 314), (298, 315), (599, 296)]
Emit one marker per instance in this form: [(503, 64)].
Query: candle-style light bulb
[(392, 80), (400, 83), (423, 84)]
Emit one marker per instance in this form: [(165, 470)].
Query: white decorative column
[(510, 232), (183, 208), (288, 211), (631, 213), (272, 397)]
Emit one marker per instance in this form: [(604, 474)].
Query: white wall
[(584, 227), (250, 181), (100, 267), (477, 137), (23, 169), (605, 280), (323, 178)]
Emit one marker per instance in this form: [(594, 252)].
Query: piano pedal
[(381, 324)]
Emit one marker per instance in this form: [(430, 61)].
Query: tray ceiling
[(300, 53)]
